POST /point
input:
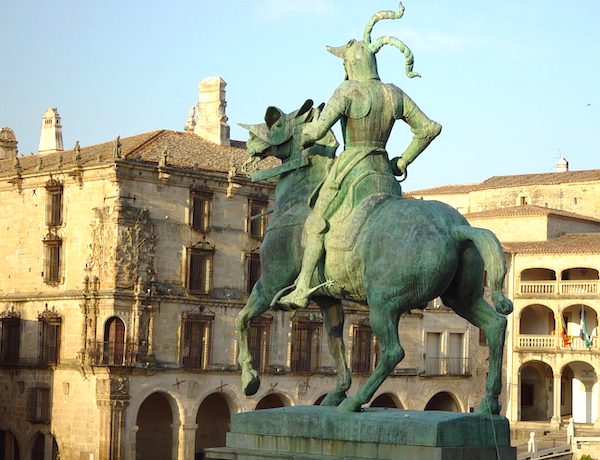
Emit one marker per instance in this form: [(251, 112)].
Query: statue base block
[(317, 432)]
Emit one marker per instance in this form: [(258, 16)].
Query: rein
[(265, 174)]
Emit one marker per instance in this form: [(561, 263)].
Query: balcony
[(435, 366), (534, 342), (555, 288)]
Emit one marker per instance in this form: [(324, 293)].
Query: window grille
[(11, 340), (54, 203), (306, 339), (49, 341), (259, 337), (361, 348), (200, 211), (252, 270), (200, 271), (38, 405), (257, 219), (195, 340), (52, 259)]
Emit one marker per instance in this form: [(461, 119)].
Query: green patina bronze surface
[(342, 230), (387, 426)]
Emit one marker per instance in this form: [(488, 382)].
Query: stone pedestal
[(316, 432)]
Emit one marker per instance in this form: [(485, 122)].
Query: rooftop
[(184, 150), (518, 180), (571, 243), (528, 211)]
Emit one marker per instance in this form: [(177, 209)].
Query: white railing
[(579, 287), (572, 288), (537, 341), (538, 287), (577, 343)]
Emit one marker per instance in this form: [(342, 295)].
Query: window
[(195, 340), (306, 339), (114, 342), (38, 405), (252, 270), (54, 199), (434, 352), (49, 340), (482, 338), (457, 364), (52, 259), (200, 210), (257, 219), (259, 336), (11, 340), (362, 338), (200, 270)]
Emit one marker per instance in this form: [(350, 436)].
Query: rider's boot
[(313, 251)]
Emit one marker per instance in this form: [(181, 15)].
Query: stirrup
[(286, 289)]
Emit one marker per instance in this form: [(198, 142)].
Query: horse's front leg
[(257, 304), (333, 318)]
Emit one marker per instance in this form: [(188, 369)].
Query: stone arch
[(536, 387), (574, 326), (40, 443), (9, 446), (113, 339), (443, 401), (580, 274), (273, 400), (158, 425), (536, 319), (214, 420), (579, 392), (538, 274), (389, 400)]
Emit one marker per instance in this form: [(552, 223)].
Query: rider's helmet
[(359, 55)]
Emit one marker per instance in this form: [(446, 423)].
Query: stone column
[(187, 440), (131, 445), (112, 398), (48, 444), (177, 449), (556, 419)]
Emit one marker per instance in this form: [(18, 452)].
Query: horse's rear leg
[(481, 314), (333, 318), (384, 323), (258, 303)]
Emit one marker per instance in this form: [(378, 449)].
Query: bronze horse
[(395, 254)]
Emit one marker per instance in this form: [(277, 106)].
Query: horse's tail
[(493, 258)]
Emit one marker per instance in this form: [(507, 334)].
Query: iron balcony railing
[(447, 366)]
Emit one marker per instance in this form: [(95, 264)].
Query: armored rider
[(367, 109)]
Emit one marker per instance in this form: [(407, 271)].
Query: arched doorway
[(271, 401), (114, 342), (213, 420), (9, 448), (154, 438), (386, 400), (535, 391), (443, 401), (38, 449), (579, 391)]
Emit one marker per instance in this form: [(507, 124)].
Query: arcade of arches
[(157, 427)]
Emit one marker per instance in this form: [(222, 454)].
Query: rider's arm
[(424, 131), (335, 108)]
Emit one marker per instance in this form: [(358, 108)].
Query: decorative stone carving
[(123, 245)]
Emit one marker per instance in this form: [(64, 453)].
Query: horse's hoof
[(349, 405), (333, 399), (250, 382)]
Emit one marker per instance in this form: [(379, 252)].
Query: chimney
[(562, 165), (211, 122), (8, 144), (51, 137)]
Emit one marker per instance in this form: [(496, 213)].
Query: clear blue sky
[(511, 82)]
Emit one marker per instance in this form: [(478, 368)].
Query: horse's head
[(279, 135)]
